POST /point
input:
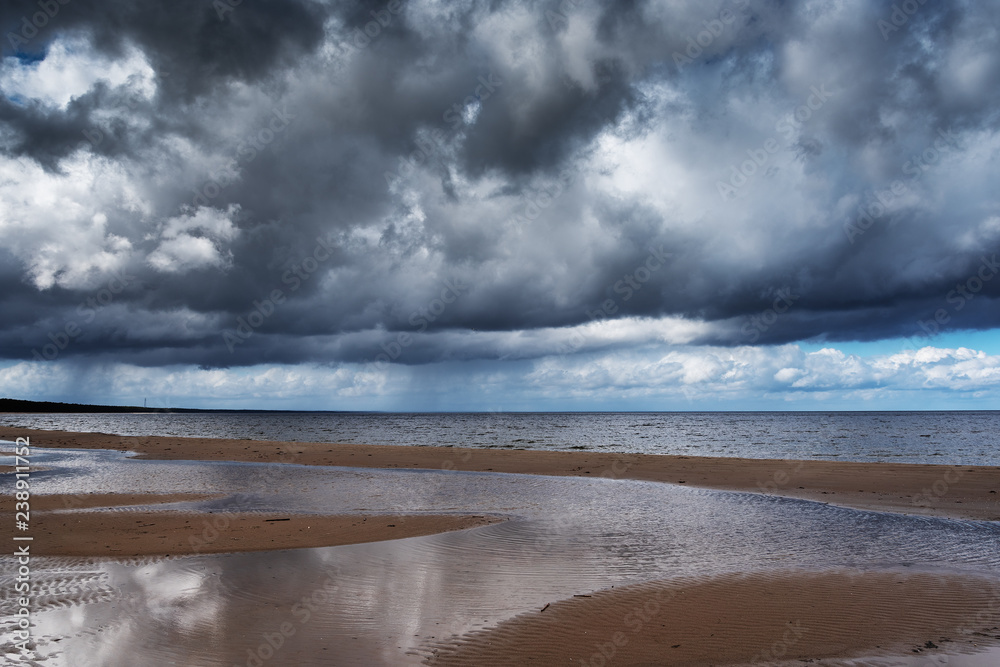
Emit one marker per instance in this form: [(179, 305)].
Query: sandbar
[(960, 491)]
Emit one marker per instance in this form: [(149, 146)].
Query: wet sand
[(134, 530), (967, 492), (739, 619)]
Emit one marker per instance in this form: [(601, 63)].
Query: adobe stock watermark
[(264, 309), (539, 199), (382, 19), (780, 478), (566, 525), (791, 636), (559, 18), (899, 17), (224, 7), (634, 621), (963, 293), (302, 611), (631, 283), (31, 26), (916, 167), (939, 488), (487, 86), (742, 173), (714, 28), (760, 323), (95, 135), (434, 142), (421, 319), (87, 310), (247, 151)]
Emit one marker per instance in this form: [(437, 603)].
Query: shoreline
[(714, 619), (959, 491)]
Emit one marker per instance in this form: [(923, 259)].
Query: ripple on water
[(799, 435), (376, 602)]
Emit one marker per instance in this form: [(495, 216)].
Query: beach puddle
[(394, 602)]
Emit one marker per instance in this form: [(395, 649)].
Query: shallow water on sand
[(382, 603)]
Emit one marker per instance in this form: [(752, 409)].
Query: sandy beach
[(967, 492), (731, 619), (136, 531), (737, 619)]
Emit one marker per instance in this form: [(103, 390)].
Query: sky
[(506, 205)]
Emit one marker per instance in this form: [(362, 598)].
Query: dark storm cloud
[(415, 153), (49, 135), (193, 45)]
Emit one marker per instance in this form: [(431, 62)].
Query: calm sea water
[(906, 437)]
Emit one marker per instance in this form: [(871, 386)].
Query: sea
[(952, 437)]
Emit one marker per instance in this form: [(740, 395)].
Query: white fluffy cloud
[(71, 68), (785, 369), (195, 240), (57, 224), (665, 377)]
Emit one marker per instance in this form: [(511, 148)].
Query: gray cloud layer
[(465, 172)]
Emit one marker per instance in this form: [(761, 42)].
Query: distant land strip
[(47, 407)]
